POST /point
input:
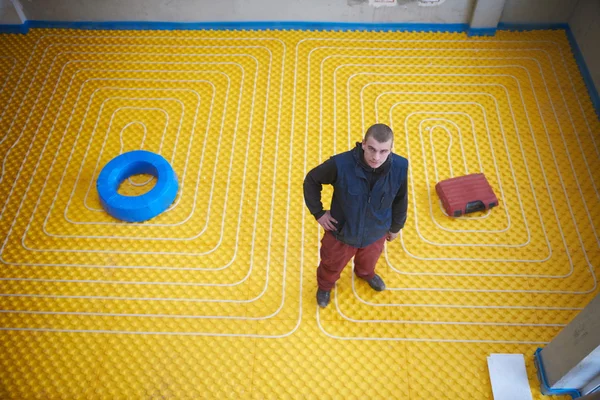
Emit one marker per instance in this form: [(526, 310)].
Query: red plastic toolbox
[(466, 194)]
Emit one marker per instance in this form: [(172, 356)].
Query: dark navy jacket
[(364, 213)]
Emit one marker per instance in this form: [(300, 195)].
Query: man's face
[(376, 153)]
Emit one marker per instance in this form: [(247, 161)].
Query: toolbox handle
[(474, 206)]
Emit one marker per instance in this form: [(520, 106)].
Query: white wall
[(538, 11), (452, 11), (585, 24), (8, 14), (487, 13)]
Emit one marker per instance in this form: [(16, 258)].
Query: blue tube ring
[(147, 205)]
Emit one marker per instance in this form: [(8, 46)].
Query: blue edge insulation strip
[(574, 393), (319, 26), (337, 26)]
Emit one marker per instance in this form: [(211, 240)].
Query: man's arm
[(399, 208), (324, 174)]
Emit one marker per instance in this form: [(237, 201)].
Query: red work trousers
[(335, 255)]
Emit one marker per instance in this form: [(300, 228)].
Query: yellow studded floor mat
[(215, 298)]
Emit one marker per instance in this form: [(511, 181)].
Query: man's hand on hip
[(391, 236), (327, 221)]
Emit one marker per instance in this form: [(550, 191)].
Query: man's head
[(377, 144)]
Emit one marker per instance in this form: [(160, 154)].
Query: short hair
[(380, 132)]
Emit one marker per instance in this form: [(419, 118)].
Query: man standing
[(368, 206)]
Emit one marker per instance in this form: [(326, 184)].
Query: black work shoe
[(323, 297), (377, 283)]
